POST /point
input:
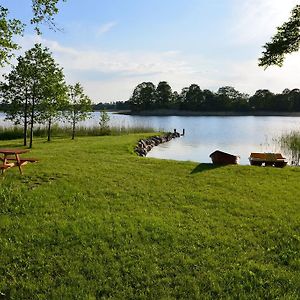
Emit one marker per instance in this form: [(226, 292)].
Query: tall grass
[(11, 133), (15, 132), (291, 144)]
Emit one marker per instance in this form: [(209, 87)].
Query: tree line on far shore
[(147, 96), (115, 105)]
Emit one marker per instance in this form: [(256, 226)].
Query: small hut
[(222, 158)]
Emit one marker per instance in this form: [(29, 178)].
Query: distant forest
[(117, 105), (147, 96)]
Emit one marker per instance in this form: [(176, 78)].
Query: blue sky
[(112, 45)]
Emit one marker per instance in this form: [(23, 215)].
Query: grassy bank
[(92, 220)]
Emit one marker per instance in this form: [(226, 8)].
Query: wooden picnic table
[(11, 158)]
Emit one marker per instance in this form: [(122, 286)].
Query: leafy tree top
[(43, 13), (36, 77), (80, 105), (8, 29)]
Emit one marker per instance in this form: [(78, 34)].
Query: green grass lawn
[(92, 220)]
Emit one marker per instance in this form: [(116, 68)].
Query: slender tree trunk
[(31, 123), (25, 122), (73, 129), (49, 129)]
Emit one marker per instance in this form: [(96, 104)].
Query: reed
[(291, 143), (11, 133), (16, 132)]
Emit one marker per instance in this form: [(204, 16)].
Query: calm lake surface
[(203, 135)]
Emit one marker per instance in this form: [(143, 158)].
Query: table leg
[(4, 162), (3, 159), (19, 163)]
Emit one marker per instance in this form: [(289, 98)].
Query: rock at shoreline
[(145, 145)]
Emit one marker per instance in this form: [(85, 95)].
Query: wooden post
[(183, 131)]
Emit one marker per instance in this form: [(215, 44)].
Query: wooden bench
[(4, 167), (24, 160), (268, 159)]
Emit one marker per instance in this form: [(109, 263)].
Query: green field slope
[(92, 220)]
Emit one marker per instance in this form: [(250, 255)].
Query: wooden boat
[(222, 158), (268, 159)]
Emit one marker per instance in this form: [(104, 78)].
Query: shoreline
[(186, 113)]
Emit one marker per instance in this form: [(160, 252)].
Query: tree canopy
[(143, 96), (43, 11), (34, 89), (164, 95), (79, 106), (285, 41)]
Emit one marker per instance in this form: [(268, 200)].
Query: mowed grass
[(92, 220)]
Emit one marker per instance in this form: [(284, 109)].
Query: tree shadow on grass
[(205, 167), (13, 145)]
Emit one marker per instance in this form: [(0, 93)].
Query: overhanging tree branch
[(285, 41), (43, 13)]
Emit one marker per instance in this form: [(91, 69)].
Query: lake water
[(203, 135)]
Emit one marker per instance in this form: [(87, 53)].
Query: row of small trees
[(35, 92), (147, 96)]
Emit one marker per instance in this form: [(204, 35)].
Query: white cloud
[(108, 76), (256, 20), (125, 63), (113, 75), (105, 28), (247, 76)]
